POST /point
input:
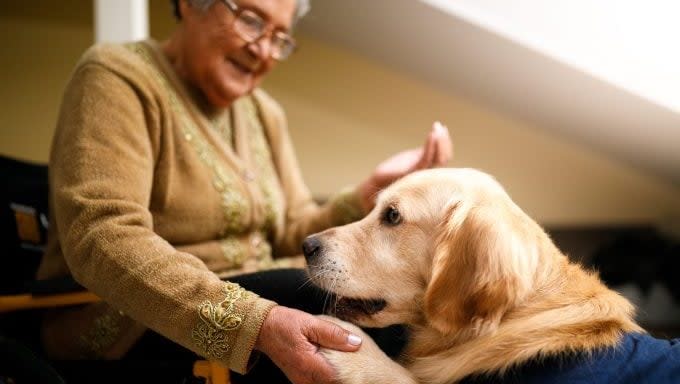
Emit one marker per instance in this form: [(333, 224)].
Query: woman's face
[(219, 62)]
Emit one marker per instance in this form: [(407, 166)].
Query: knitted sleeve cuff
[(346, 206), (227, 330)]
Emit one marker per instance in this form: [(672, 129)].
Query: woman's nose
[(262, 47)]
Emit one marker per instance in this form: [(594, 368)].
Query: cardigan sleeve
[(303, 216), (101, 175)]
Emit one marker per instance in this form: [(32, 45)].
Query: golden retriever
[(480, 284)]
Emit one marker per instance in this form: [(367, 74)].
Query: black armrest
[(54, 286)]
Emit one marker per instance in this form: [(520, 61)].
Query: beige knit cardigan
[(154, 195)]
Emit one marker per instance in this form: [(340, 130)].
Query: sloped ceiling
[(456, 47)]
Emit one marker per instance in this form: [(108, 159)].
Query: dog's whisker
[(328, 297), (320, 273), (315, 275), (334, 288)]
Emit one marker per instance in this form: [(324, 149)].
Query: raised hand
[(436, 152)]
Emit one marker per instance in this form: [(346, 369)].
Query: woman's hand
[(435, 152), (291, 338)]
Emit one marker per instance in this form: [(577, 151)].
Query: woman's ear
[(184, 8), (483, 266)]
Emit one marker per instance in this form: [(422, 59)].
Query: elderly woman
[(174, 181)]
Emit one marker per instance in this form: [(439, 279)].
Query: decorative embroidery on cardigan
[(222, 125), (262, 250), (233, 251), (102, 335), (263, 162), (236, 251), (234, 204), (213, 333)]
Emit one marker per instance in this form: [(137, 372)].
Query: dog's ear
[(483, 265)]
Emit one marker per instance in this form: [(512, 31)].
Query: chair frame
[(212, 372)]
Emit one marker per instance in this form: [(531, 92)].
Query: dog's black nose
[(311, 247)]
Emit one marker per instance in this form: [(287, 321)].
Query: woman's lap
[(287, 287)]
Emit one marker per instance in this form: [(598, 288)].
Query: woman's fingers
[(332, 336), (444, 145), (429, 151), (291, 339)]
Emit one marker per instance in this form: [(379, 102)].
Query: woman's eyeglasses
[(251, 28)]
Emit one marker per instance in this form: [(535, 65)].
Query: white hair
[(301, 7)]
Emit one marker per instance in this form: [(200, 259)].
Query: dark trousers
[(287, 287)]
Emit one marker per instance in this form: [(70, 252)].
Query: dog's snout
[(311, 248)]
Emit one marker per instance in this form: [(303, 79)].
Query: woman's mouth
[(243, 67)]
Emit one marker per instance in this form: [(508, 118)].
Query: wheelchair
[(23, 230)]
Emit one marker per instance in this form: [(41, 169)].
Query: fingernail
[(438, 126), (354, 339)]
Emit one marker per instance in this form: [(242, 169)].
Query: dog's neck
[(570, 312)]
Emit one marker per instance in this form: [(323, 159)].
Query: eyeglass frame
[(281, 36)]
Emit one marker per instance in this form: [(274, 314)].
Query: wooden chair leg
[(214, 373)]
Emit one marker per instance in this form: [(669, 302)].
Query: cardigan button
[(248, 175), (255, 240)]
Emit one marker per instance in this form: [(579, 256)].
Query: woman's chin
[(223, 97)]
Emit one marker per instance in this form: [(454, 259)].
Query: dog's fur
[(481, 285)]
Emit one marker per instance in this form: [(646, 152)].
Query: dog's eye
[(391, 216)]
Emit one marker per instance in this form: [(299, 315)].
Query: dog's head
[(442, 247)]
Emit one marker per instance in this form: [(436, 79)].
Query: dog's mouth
[(347, 308)]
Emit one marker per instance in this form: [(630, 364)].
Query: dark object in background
[(23, 222), (23, 234), (14, 360), (641, 258)]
